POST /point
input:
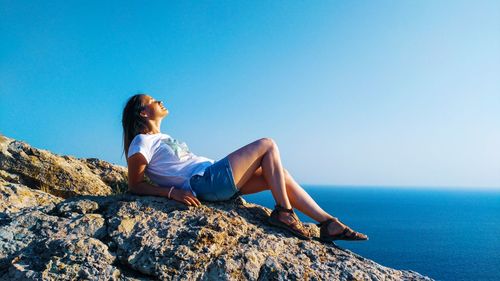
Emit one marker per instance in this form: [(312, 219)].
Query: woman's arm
[(136, 183)]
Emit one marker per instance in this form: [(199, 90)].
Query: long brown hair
[(133, 123)]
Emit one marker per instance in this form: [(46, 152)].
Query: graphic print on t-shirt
[(180, 149)]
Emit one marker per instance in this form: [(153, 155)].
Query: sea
[(443, 233)]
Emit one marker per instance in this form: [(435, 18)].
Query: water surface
[(442, 233)]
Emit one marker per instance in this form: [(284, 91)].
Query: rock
[(15, 197), (63, 176), (162, 239), (128, 237), (64, 259), (18, 230)]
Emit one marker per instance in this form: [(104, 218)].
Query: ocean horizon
[(444, 233)]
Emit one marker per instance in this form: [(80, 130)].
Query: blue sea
[(445, 234)]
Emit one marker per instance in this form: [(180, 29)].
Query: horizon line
[(419, 187)]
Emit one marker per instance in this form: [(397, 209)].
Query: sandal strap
[(296, 224), (327, 222), (279, 209), (283, 209), (352, 233)]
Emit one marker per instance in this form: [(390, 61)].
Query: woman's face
[(153, 109)]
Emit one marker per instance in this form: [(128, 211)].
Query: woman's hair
[(133, 123)]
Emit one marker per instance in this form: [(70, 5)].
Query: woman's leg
[(261, 153), (299, 198)]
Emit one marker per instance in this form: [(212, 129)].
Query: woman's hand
[(185, 196)]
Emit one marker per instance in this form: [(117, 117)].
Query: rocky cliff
[(66, 218)]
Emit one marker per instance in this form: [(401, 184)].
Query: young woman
[(185, 177)]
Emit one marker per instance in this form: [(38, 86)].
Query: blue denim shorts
[(216, 184)]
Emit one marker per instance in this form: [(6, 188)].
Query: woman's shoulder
[(148, 138), (138, 138)]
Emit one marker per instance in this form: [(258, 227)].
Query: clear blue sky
[(401, 93)]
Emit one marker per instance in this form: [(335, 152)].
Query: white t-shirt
[(170, 163)]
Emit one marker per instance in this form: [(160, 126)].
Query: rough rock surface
[(63, 176), (15, 196), (128, 237)]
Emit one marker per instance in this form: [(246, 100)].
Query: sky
[(378, 93)]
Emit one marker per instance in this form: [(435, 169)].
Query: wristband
[(172, 188)]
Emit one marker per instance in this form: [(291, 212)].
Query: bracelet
[(172, 188)]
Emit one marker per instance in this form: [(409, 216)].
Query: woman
[(185, 177)]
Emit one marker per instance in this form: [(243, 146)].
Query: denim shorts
[(216, 184)]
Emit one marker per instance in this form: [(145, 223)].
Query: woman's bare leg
[(261, 153), (299, 198)]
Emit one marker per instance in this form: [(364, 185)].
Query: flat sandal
[(296, 227), (347, 234)]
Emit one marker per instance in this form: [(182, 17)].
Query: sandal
[(295, 227), (347, 234)]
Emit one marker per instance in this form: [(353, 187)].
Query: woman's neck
[(153, 127)]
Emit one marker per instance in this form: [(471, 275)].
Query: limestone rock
[(128, 237), (64, 259), (156, 238), (63, 176), (14, 197)]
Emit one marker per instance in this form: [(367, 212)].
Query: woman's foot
[(332, 229), (287, 219)]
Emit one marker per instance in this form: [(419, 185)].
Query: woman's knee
[(268, 143), (288, 177)]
